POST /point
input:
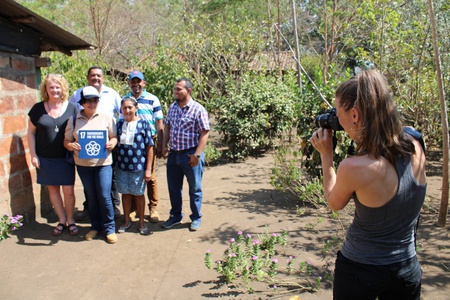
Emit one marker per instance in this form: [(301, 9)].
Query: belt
[(183, 151)]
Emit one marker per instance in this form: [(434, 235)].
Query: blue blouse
[(132, 158)]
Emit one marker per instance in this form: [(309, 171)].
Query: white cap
[(90, 92)]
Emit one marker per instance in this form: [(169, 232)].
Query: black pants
[(355, 281)]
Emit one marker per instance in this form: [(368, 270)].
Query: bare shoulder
[(362, 170), (418, 162)]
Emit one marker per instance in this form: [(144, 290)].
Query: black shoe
[(82, 215)]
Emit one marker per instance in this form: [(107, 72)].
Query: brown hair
[(58, 79), (381, 132)]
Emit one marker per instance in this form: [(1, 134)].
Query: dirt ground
[(169, 264)]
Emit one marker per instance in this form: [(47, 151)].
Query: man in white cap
[(109, 103), (149, 109)]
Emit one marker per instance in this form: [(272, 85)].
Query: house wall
[(18, 93)]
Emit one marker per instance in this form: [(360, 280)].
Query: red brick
[(12, 83), (30, 82), (22, 65), (23, 144), (6, 104), (7, 145), (2, 169), (17, 164), (26, 180), (26, 101), (15, 184), (23, 202), (13, 124)]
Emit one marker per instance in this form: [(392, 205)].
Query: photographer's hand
[(322, 141)]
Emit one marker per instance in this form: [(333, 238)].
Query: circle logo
[(92, 148)]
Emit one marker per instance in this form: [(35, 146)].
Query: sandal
[(73, 229), (57, 231), (124, 227), (144, 230)]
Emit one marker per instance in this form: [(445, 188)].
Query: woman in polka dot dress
[(133, 162)]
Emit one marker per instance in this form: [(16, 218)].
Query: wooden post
[(444, 120)]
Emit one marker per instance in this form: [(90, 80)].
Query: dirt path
[(169, 263)]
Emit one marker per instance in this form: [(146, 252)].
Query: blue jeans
[(178, 167), (354, 280), (97, 187)]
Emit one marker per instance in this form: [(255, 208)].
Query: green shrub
[(212, 154), (254, 114)]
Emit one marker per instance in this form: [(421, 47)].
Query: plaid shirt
[(186, 124)]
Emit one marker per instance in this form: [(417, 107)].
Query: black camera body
[(329, 120)]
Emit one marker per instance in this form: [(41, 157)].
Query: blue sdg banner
[(93, 144)]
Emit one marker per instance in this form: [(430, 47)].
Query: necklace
[(55, 119)]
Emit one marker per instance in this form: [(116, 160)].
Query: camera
[(329, 120)]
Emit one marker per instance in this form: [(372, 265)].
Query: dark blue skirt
[(55, 171)]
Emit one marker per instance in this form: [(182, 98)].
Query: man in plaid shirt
[(186, 133)]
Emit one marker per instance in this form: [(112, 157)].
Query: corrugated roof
[(52, 37)]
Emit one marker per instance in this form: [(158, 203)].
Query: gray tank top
[(385, 235)]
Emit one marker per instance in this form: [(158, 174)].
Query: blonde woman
[(46, 127)]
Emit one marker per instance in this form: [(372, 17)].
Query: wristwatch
[(198, 156)]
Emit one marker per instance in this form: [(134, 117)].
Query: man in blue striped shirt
[(186, 133), (149, 109)]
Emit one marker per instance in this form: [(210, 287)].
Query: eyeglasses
[(93, 100)]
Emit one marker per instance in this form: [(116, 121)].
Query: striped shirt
[(186, 124), (149, 109)]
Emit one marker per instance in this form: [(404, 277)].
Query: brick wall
[(18, 92)]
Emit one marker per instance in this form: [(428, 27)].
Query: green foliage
[(161, 73), (248, 260), (254, 114), (212, 154), (310, 108), (287, 175), (74, 69), (8, 224)]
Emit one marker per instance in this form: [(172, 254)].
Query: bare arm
[(31, 136), (165, 141), (338, 188), (148, 167), (159, 138), (69, 140), (204, 134)]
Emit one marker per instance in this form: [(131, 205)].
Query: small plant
[(212, 154), (287, 176), (313, 227), (9, 224), (248, 259), (305, 267)]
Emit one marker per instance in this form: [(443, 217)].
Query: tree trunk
[(437, 59), (297, 46)]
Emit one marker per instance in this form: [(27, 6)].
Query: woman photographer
[(386, 179)]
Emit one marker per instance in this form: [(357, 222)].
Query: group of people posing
[(129, 133), (385, 177)]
